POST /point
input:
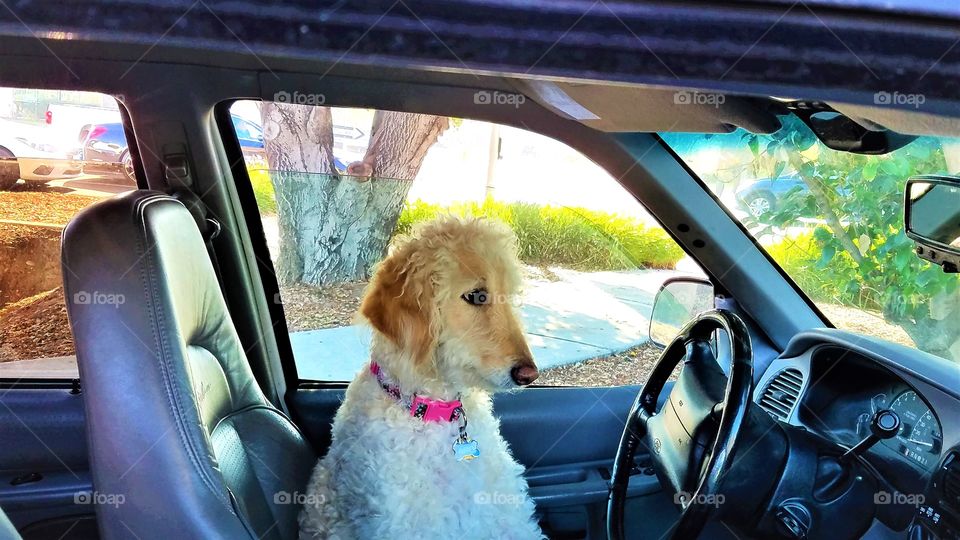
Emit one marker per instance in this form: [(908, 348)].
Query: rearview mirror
[(932, 219), (678, 301)]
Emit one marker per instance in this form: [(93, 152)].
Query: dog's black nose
[(524, 374)]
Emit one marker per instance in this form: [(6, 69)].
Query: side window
[(60, 151), (335, 187)]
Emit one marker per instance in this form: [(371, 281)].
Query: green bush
[(263, 191), (548, 235), (570, 237), (802, 258)]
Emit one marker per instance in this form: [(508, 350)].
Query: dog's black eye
[(476, 297)]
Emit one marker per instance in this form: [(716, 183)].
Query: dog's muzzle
[(524, 373)]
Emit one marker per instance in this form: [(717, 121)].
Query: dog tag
[(466, 450)]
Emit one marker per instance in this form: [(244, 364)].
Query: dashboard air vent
[(781, 393), (951, 480)]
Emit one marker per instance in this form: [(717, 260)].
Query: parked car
[(763, 196), (766, 195), (103, 147), (31, 161)]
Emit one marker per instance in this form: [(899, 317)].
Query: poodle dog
[(416, 449)]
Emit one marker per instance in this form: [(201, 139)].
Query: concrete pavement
[(581, 316)]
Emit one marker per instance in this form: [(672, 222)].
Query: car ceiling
[(628, 61)]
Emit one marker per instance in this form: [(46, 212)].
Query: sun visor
[(912, 122), (619, 108)]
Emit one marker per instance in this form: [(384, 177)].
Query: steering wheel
[(693, 467)]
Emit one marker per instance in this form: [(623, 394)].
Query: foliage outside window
[(834, 222)]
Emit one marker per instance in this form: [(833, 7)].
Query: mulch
[(42, 206), (35, 327), (313, 307), (632, 366), (309, 307), (866, 323)]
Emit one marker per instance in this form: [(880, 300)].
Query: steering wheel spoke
[(693, 434)]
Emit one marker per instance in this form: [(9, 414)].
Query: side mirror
[(932, 218), (678, 301)]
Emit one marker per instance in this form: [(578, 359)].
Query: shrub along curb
[(575, 238)]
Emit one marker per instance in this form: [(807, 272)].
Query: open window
[(335, 186), (60, 151)]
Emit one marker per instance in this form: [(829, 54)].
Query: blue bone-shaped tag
[(467, 450)]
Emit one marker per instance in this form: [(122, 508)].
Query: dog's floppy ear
[(399, 304)]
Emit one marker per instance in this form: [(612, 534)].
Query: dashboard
[(832, 383)]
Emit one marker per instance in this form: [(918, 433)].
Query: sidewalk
[(581, 316)]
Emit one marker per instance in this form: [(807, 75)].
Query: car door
[(591, 277), (45, 481)]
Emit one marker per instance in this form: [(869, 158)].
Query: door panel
[(560, 426), (44, 463), (565, 437)]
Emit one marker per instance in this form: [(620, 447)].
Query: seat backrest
[(178, 429)]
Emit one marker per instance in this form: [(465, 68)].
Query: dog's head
[(445, 300)]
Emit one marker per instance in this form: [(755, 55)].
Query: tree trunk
[(333, 227), (832, 219)]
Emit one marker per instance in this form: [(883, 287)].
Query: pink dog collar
[(433, 410), (427, 409)]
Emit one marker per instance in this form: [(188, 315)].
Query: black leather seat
[(176, 422)]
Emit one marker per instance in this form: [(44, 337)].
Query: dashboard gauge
[(919, 439)]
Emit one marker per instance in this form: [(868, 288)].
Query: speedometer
[(919, 439)]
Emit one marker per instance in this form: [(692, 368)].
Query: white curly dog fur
[(443, 326)]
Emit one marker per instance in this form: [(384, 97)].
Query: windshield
[(834, 222)]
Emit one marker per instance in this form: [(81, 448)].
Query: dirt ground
[(311, 308), (29, 261), (865, 322), (632, 366), (33, 318), (35, 327), (33, 321), (27, 202)]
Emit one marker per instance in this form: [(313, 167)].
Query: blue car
[(762, 196), (104, 146)]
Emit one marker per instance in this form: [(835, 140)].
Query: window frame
[(75, 385), (250, 213), (267, 273)]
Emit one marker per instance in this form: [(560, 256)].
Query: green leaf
[(754, 146), (822, 235), (870, 170), (826, 256), (779, 168), (902, 259)]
